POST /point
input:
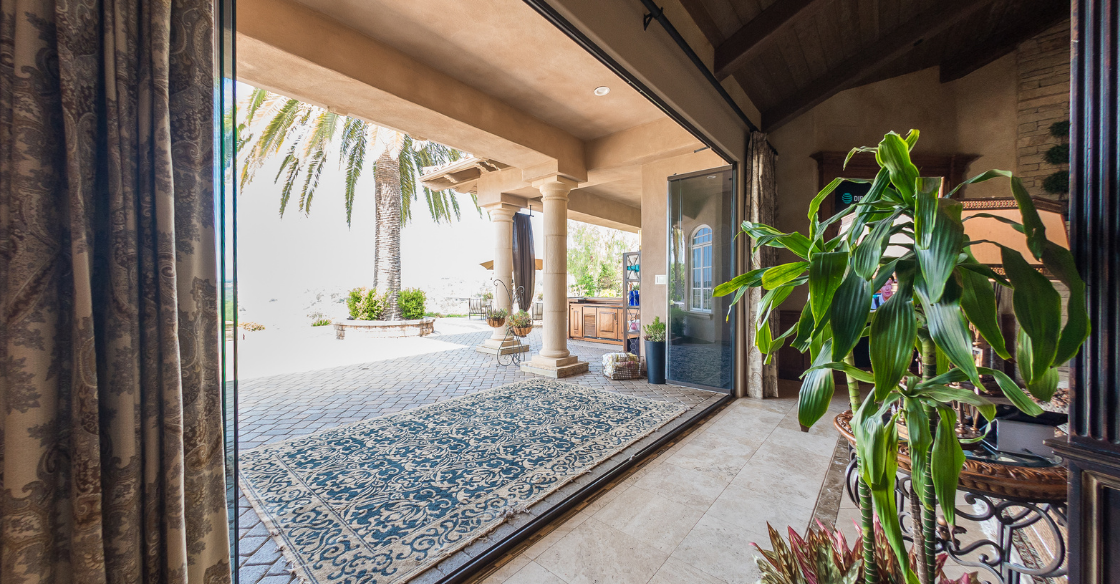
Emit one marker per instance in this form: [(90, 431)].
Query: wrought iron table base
[(996, 557)]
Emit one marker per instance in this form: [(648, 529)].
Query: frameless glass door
[(701, 225)]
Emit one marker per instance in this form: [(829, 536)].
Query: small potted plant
[(655, 351), (495, 317), (521, 323)]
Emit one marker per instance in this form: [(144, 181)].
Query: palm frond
[(406, 163), (352, 157), (311, 182), (289, 183)]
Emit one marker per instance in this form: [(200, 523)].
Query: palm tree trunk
[(388, 253)]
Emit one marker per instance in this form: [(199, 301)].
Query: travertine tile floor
[(690, 514)]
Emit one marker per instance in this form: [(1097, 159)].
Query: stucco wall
[(655, 176)]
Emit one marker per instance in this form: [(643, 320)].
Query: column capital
[(555, 186), (501, 211)]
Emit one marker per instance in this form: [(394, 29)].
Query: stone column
[(554, 360), (501, 216)]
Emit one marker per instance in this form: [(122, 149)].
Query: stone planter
[(381, 329)]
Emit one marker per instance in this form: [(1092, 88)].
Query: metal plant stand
[(996, 556), (516, 356)]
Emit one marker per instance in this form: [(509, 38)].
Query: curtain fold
[(524, 261), (111, 458), (761, 207)]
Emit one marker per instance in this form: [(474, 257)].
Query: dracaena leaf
[(1044, 386), (947, 461), (938, 259), (779, 275), (979, 303), (946, 394), (925, 210), (850, 306), (826, 272), (1059, 261), (866, 256), (894, 155), (893, 330), (949, 330), (1032, 223), (816, 391), (984, 176), (748, 280), (1013, 392), (815, 204), (1038, 307), (920, 440), (850, 370), (805, 327)]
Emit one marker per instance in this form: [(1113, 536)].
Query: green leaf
[(1032, 223), (805, 327), (937, 260), (912, 139), (779, 275), (772, 300), (815, 204), (763, 336), (925, 210), (1023, 355), (920, 440), (885, 272), (865, 209), (1043, 387), (748, 280), (851, 370), (816, 391), (894, 155), (984, 176), (979, 303), (1059, 261), (766, 235), (850, 306), (1014, 224), (877, 450), (945, 394), (949, 330), (948, 459), (865, 258), (1013, 392), (893, 330), (826, 272), (1038, 307)]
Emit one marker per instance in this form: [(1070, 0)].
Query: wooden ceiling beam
[(747, 42), (970, 59), (703, 20), (859, 66)]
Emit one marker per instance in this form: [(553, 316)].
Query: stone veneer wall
[(1043, 64)]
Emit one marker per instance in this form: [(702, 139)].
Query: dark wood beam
[(749, 41), (1036, 21), (859, 66), (703, 20)]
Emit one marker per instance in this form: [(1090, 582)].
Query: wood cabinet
[(596, 320)]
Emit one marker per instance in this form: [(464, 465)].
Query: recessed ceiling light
[(711, 176), (602, 90)]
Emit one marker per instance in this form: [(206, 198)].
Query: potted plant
[(521, 323), (495, 317), (941, 290), (655, 351)]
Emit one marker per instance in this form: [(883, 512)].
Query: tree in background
[(595, 258), (307, 137)]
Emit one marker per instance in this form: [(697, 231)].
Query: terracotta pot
[(522, 331), (496, 322)]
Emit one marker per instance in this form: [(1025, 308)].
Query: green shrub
[(520, 319), (411, 302), (365, 304), (321, 322), (655, 331)]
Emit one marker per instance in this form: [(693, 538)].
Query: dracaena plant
[(941, 290)]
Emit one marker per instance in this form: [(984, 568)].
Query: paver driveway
[(283, 406)]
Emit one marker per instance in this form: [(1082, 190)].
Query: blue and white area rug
[(382, 500)]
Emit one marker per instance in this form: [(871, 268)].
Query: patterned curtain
[(111, 453), (761, 207)]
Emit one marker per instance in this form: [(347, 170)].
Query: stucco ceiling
[(505, 49)]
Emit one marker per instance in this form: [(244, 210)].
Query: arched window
[(700, 297)]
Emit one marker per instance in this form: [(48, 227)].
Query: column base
[(502, 347), (555, 368)]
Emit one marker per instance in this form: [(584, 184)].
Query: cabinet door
[(608, 323), (575, 321), (590, 328)]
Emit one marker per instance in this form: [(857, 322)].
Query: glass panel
[(700, 348), (225, 202)]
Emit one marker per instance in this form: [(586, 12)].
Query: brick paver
[(280, 407)]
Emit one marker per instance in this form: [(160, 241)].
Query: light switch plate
[(660, 279)]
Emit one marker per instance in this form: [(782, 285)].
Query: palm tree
[(309, 135)]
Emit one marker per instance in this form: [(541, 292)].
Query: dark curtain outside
[(524, 261)]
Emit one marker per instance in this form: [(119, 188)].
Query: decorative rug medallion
[(382, 500)]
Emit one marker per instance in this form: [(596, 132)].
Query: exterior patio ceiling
[(791, 55)]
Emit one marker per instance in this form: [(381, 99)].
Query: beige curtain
[(111, 460), (761, 207)]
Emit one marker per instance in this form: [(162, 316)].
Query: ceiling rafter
[(849, 73), (996, 46), (747, 42)]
